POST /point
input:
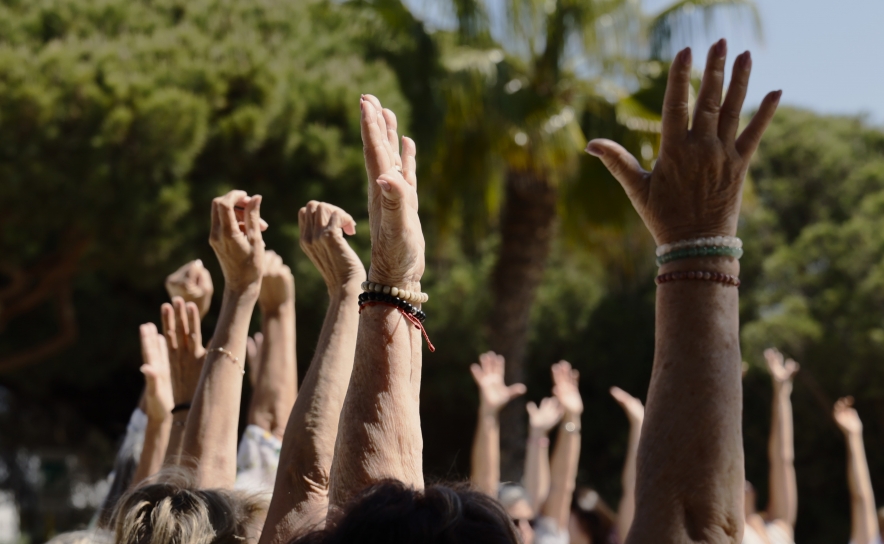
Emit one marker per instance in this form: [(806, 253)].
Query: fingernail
[(685, 55), (721, 48), (595, 150), (385, 185)]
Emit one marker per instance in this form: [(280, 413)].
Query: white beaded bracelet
[(413, 297), (712, 241)]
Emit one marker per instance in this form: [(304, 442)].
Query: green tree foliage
[(814, 269)]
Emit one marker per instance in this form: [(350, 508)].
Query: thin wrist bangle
[(230, 355), (717, 241), (698, 275), (181, 407), (571, 427)]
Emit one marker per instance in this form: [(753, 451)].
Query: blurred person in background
[(864, 528)]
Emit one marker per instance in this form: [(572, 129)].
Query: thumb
[(517, 389), (622, 165), (531, 407)]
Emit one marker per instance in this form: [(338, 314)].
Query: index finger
[(675, 101), (374, 141)]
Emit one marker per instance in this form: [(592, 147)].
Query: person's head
[(515, 501), (94, 536), (592, 521), (171, 509), (390, 512)]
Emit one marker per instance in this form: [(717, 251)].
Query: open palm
[(494, 393)]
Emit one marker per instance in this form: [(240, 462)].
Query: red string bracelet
[(414, 321)]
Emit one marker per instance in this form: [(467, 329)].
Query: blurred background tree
[(520, 93), (119, 121)]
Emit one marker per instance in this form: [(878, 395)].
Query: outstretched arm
[(540, 420), (635, 412), (783, 505), (182, 329), (158, 403), (379, 435), (300, 496), (493, 396), (276, 384), (863, 516), (210, 436), (690, 478), (563, 467)]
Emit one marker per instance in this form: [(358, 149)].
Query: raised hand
[(782, 372), (565, 387), (254, 345), (158, 399), (494, 394), (183, 333), (277, 285), (846, 417), (193, 283), (544, 417), (695, 188), (236, 239), (633, 407), (322, 229), (397, 241)]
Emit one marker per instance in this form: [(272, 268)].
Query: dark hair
[(594, 516), (390, 512)]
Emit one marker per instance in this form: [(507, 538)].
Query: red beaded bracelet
[(699, 275)]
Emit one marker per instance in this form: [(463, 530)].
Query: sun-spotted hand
[(397, 241), (695, 188)]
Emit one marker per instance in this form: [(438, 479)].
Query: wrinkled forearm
[(277, 383), (210, 437), (156, 440), (379, 436), (300, 497), (485, 458), (783, 487), (863, 514), (689, 485), (626, 510)]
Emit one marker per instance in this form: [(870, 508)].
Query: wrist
[(537, 432), (345, 290), (248, 291), (409, 284), (486, 411), (723, 265)]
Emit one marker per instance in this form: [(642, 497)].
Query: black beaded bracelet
[(390, 299)]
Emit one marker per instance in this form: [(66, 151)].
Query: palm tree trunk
[(527, 227)]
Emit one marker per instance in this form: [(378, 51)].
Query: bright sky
[(827, 56)]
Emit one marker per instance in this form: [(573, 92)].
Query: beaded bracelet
[(699, 275), (404, 294), (716, 241), (702, 251), (230, 355), (395, 301)]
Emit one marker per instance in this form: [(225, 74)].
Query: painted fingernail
[(385, 185)]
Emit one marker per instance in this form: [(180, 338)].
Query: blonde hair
[(169, 509)]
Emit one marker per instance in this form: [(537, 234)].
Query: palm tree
[(520, 92)]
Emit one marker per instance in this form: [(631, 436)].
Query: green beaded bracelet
[(702, 251)]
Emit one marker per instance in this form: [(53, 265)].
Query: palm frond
[(684, 20)]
